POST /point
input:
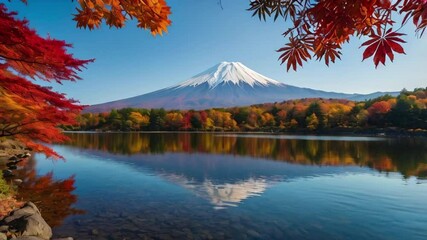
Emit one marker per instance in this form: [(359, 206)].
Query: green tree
[(157, 119)]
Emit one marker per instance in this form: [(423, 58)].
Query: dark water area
[(221, 186)]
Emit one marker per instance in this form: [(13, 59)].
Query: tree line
[(407, 111)]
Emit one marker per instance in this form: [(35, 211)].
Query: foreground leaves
[(331, 23), (382, 46), (150, 14), (29, 112)]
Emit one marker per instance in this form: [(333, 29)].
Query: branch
[(220, 4), (22, 60)]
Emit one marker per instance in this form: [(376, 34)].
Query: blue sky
[(131, 62)]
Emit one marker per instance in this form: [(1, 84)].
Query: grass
[(5, 189), (7, 198)]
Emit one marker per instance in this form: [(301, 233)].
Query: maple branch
[(23, 60), (220, 4)]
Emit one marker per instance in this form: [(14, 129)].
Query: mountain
[(226, 84)]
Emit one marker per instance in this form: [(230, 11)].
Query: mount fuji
[(226, 84)]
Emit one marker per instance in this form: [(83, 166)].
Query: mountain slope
[(225, 85)]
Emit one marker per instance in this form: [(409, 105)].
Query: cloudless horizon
[(131, 62)]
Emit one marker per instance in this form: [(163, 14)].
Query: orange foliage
[(7, 205), (150, 14)]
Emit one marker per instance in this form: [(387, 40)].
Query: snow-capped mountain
[(231, 73), (226, 84)]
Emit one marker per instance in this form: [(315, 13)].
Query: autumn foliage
[(150, 14), (320, 28), (29, 112), (406, 111), (54, 197)]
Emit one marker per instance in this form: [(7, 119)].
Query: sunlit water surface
[(207, 186)]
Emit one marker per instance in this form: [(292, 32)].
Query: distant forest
[(406, 111)]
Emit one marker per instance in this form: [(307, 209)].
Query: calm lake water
[(228, 186)]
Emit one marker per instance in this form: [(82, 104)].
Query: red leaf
[(369, 51), (396, 47), (380, 46)]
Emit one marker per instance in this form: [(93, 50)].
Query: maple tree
[(31, 113), (320, 28)]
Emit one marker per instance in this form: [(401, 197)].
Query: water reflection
[(230, 194), (407, 156), (222, 195), (170, 186), (227, 169), (54, 198), (222, 180)]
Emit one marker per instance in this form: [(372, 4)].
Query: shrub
[(5, 189)]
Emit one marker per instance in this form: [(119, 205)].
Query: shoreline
[(18, 219), (377, 132)]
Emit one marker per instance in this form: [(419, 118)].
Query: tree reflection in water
[(53, 197), (407, 156), (171, 185)]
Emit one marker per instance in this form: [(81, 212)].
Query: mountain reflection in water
[(222, 195), (220, 186)]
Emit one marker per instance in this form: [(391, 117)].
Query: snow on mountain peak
[(229, 72)]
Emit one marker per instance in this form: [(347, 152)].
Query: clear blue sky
[(131, 62)]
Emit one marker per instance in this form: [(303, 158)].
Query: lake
[(232, 186)]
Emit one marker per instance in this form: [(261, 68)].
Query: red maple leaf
[(382, 45)]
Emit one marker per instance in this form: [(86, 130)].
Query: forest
[(406, 111)]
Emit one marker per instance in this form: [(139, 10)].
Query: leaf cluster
[(30, 112), (320, 28), (150, 14)]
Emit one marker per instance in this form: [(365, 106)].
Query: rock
[(23, 155), (27, 238), (7, 173), (253, 233), (27, 221), (12, 167), (9, 164), (37, 226), (94, 232), (17, 181), (4, 228), (27, 210), (13, 162)]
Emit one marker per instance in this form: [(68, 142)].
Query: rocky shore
[(25, 222), (12, 154)]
